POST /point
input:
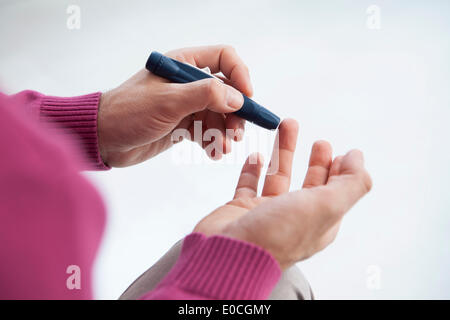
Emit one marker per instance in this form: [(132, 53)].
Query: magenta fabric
[(218, 267), (52, 218)]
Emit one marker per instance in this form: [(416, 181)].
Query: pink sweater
[(52, 218)]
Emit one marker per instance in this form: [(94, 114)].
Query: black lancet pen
[(179, 72)]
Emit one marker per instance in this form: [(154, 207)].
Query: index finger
[(220, 58)]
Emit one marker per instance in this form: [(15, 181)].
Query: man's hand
[(136, 119), (292, 226)]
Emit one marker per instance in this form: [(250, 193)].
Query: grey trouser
[(292, 284)]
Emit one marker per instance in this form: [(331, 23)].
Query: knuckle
[(213, 90), (228, 48), (365, 181)]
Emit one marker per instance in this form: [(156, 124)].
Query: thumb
[(343, 190), (205, 94)]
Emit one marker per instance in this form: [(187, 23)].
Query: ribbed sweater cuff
[(77, 117), (218, 267)]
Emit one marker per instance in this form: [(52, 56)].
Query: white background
[(383, 91)]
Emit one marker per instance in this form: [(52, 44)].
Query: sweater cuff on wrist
[(219, 267), (77, 117)]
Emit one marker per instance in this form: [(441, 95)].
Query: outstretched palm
[(291, 225)]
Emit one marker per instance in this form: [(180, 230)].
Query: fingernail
[(235, 99)]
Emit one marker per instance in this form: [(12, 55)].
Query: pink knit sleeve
[(218, 267), (74, 117), (51, 217)]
